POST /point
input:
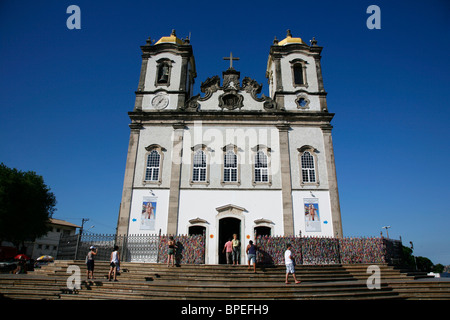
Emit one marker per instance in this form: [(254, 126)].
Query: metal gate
[(140, 248), (132, 248)]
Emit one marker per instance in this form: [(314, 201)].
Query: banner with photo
[(312, 217), (148, 214)]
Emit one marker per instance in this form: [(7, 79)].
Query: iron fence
[(132, 248)]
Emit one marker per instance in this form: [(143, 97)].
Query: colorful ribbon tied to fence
[(324, 250), (189, 249)]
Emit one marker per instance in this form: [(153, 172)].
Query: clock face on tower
[(160, 101)]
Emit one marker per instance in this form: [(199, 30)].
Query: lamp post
[(82, 225), (387, 233)]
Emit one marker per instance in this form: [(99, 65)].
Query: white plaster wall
[(161, 135), (215, 137), (324, 213), (290, 104), (213, 102), (299, 137), (287, 82), (149, 83), (162, 208), (203, 204), (147, 101), (245, 138), (175, 74), (311, 74)]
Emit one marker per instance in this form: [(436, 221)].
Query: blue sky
[(65, 94)]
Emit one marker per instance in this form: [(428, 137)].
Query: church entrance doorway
[(227, 227)]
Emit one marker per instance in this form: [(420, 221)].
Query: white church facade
[(230, 160)]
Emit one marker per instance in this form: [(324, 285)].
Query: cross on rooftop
[(231, 58)]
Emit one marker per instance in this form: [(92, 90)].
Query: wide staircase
[(220, 282)]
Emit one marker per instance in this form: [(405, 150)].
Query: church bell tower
[(167, 74), (296, 85), (295, 75)]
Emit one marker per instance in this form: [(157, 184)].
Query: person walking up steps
[(228, 249), (289, 261), (114, 265)]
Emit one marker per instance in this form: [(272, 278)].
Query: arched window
[(230, 167), (199, 167), (298, 74), (261, 167), (298, 68), (153, 164), (153, 161), (200, 164), (308, 167)]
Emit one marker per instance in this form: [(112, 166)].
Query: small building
[(48, 244)]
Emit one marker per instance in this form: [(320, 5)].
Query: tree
[(419, 263), (408, 258), (424, 264), (438, 268), (26, 205)]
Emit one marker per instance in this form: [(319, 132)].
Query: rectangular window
[(312, 175)]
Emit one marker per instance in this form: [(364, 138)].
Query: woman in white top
[(114, 265)]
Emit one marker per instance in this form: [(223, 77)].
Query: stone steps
[(422, 289), (242, 291), (139, 281), (154, 272), (26, 286)]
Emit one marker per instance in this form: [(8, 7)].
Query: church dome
[(170, 39), (290, 40)]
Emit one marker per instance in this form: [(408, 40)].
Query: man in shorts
[(251, 254), (289, 261)]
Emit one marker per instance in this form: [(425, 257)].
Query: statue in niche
[(163, 74)]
